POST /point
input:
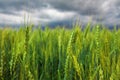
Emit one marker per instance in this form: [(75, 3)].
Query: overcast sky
[(48, 11)]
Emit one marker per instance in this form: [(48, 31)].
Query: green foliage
[(60, 54)]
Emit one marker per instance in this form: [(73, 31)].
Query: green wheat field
[(60, 54)]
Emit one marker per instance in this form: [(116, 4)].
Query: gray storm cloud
[(45, 11)]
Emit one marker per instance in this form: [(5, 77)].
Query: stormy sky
[(48, 11)]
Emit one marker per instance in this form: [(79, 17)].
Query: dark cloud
[(84, 7), (18, 5), (100, 10)]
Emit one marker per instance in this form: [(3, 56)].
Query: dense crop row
[(60, 54)]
